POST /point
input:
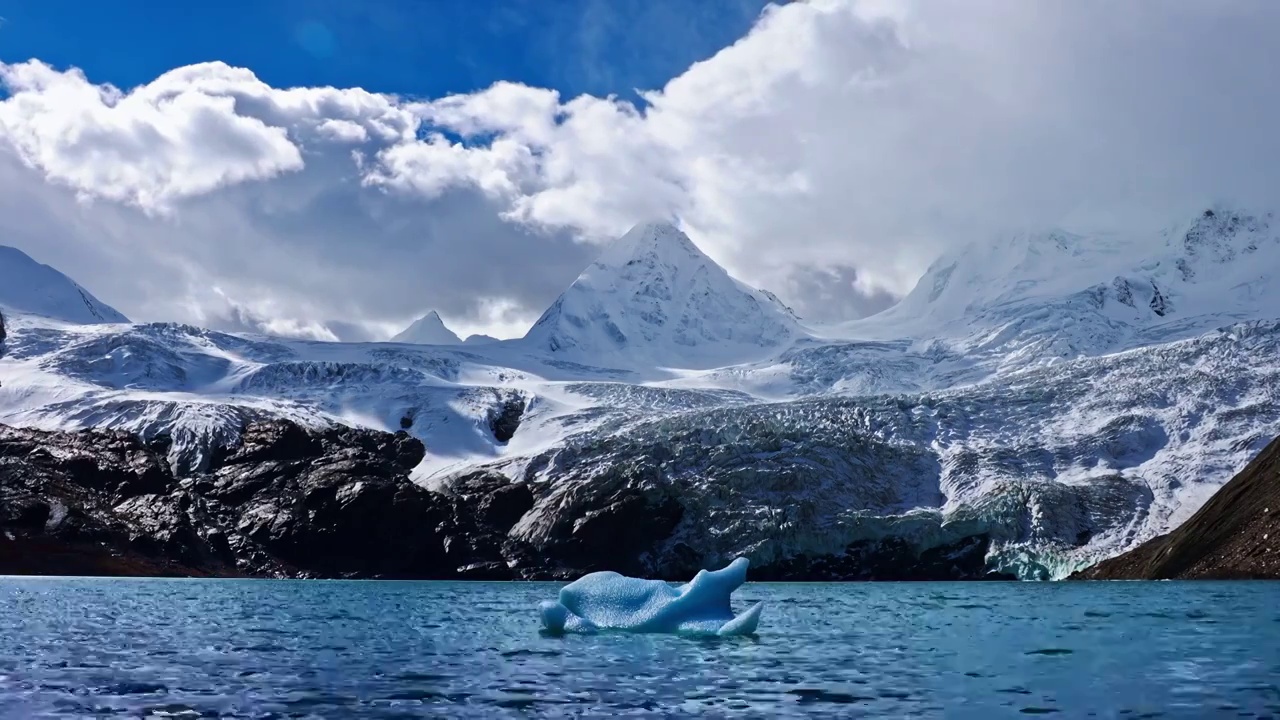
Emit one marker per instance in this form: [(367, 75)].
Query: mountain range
[(1036, 404)]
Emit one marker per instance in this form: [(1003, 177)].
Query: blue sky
[(425, 48)]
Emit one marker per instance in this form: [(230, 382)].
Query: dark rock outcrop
[(891, 559), (58, 498), (286, 501), (1236, 535), (290, 501), (616, 532), (505, 419)]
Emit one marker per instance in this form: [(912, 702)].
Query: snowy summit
[(27, 286), (428, 330), (654, 297)]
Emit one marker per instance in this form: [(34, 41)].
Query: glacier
[(1035, 405), (607, 600)]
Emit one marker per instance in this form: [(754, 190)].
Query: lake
[(71, 647)]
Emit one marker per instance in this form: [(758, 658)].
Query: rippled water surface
[(100, 647)]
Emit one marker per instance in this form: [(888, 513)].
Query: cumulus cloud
[(144, 147), (312, 254), (311, 249), (190, 132), (828, 155), (343, 131), (874, 135)]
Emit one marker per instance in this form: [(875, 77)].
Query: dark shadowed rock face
[(1235, 535), (58, 498), (289, 501), (285, 502), (616, 533), (891, 559), (505, 420)]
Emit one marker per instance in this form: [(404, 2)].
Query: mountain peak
[(1054, 295), (428, 330), (655, 240), (654, 298), (30, 287)]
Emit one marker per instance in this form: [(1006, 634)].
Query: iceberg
[(607, 600)]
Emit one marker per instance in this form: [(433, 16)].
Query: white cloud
[(143, 147), (191, 131), (263, 319), (499, 317), (343, 131), (828, 155), (875, 134), (437, 164)]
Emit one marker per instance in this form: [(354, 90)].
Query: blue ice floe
[(607, 600)]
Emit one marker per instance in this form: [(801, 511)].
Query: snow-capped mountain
[(653, 298), (29, 287), (1044, 297), (428, 330), (1050, 399)]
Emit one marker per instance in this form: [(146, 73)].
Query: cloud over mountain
[(838, 139)]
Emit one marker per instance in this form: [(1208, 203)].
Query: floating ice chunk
[(613, 601)]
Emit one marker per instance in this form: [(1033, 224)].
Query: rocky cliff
[(288, 501), (1236, 535), (283, 502)]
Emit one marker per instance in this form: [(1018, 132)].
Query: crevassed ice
[(607, 600)]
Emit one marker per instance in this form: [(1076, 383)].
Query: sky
[(333, 170)]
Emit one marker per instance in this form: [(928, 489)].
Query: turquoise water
[(98, 647)]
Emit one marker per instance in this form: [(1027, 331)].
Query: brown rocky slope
[(1236, 535)]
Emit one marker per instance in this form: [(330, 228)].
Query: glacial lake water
[(185, 648)]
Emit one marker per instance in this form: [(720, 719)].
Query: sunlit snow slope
[(27, 286), (1066, 397), (653, 298), (1036, 298)]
